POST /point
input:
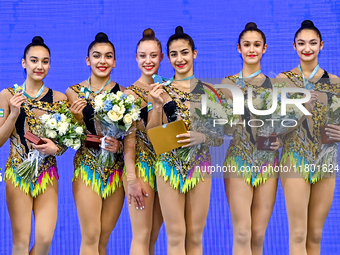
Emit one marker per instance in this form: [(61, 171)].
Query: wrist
[(132, 181)]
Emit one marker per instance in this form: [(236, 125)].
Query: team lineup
[(108, 126)]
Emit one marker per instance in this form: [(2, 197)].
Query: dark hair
[(307, 24), (101, 38), (36, 41), (251, 26), (149, 35), (179, 34)]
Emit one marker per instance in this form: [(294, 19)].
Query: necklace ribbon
[(85, 92), (159, 79), (239, 80), (306, 82), (22, 88)]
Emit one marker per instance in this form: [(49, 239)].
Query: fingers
[(113, 144), (275, 145), (184, 135), (333, 132), (78, 106)]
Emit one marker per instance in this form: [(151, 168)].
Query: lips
[(181, 65), (251, 56), (307, 54), (148, 68), (39, 73), (102, 68)]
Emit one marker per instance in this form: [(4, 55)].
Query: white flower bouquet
[(115, 114), (62, 129), (204, 123), (328, 154)]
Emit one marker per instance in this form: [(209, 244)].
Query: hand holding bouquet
[(62, 129), (115, 114)]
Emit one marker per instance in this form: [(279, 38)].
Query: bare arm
[(11, 107)]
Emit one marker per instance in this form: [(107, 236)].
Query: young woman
[(99, 195), (184, 195), (252, 205), (21, 111), (308, 211), (140, 180)]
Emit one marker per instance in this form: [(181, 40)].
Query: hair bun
[(250, 26), (37, 40), (101, 37), (148, 33), (179, 30), (307, 23)]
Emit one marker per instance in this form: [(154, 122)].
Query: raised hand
[(15, 103), (77, 108)]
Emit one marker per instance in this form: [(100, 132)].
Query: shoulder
[(282, 75), (332, 76), (8, 93), (58, 96)]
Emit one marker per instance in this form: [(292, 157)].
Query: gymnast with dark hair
[(308, 194), (251, 194), (139, 156), (184, 193), (23, 105), (99, 195)]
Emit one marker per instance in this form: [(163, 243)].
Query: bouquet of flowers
[(332, 117), (268, 132), (205, 123), (115, 114), (329, 149), (62, 129)]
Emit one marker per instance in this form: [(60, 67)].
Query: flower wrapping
[(62, 129), (115, 113)]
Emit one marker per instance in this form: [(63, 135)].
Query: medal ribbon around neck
[(159, 79), (306, 82), (239, 80), (87, 91), (22, 88)]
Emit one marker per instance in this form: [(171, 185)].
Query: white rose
[(99, 102), (119, 94), (45, 118), (127, 119), (121, 103), (114, 116), (121, 110), (135, 116), (258, 103), (68, 142), (290, 108), (135, 110), (51, 133), (79, 130), (130, 99), (62, 128), (115, 108), (63, 118), (230, 101), (76, 144), (51, 123)]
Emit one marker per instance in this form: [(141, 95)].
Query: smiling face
[(181, 56), (101, 59), (36, 63), (251, 47), (308, 45), (149, 57)]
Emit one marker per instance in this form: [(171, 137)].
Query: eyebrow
[(309, 40), (173, 51), (97, 52), (37, 57), (254, 41)]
